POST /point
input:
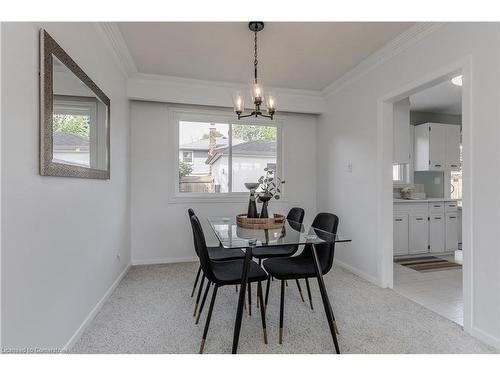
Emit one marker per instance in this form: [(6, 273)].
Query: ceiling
[(300, 55), (444, 97)]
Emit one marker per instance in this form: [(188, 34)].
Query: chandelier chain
[(255, 61)]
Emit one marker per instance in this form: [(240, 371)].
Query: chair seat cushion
[(290, 268), (273, 251), (229, 272), (220, 253)]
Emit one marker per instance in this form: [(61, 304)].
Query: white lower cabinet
[(451, 242), (420, 228), (418, 234), (400, 234), (436, 233)]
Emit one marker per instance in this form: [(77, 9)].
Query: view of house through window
[(220, 158), (73, 123)]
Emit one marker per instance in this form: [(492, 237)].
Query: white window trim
[(176, 114)]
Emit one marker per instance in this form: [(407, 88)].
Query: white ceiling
[(291, 54), (441, 98)]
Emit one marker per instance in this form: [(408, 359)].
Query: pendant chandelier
[(256, 89)]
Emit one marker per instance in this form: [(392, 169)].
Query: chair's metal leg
[(199, 295), (249, 299), (262, 311), (309, 293), (282, 308), (324, 297), (267, 289), (209, 316), (203, 302), (300, 289), (196, 280)]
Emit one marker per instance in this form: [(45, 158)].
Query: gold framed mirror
[(74, 117)]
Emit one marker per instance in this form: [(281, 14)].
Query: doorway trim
[(384, 180)]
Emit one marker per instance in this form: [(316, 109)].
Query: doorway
[(416, 255)]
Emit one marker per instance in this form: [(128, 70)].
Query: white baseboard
[(485, 337), (141, 262), (76, 336), (357, 272)]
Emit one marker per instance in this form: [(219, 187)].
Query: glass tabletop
[(231, 235)]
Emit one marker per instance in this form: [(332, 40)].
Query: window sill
[(213, 198)]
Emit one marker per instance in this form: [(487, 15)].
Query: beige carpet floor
[(151, 312)]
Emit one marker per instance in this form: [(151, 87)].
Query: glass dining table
[(232, 236)]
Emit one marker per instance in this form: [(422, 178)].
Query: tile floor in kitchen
[(439, 291)]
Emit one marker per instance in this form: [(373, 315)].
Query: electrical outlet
[(437, 180), (349, 166)]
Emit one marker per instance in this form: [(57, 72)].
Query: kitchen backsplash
[(433, 183)]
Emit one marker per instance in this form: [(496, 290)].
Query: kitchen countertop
[(399, 200)]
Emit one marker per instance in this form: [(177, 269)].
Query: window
[(400, 173), (219, 155), (187, 156)]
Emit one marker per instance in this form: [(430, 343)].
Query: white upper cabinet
[(437, 147), (401, 146), (452, 151)]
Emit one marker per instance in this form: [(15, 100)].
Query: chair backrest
[(201, 249), (191, 214), (296, 214), (328, 223), (295, 217)]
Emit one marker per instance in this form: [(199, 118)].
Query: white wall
[(348, 132), (60, 236), (160, 229)]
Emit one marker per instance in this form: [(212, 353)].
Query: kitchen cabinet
[(436, 232), (452, 151), (418, 234), (401, 140), (451, 243), (426, 226), (437, 147), (400, 234)]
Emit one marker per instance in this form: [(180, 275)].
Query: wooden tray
[(275, 222)]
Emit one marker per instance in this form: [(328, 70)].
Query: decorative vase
[(252, 207), (264, 198)]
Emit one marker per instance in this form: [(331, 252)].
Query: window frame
[(177, 114), (184, 158)]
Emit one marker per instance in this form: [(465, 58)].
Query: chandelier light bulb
[(238, 102)]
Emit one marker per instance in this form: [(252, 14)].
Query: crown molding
[(164, 79), (391, 49), (120, 51)]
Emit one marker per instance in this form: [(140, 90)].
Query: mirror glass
[(79, 121)]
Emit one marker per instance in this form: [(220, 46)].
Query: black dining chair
[(220, 273), (217, 253), (302, 265), (295, 216)]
